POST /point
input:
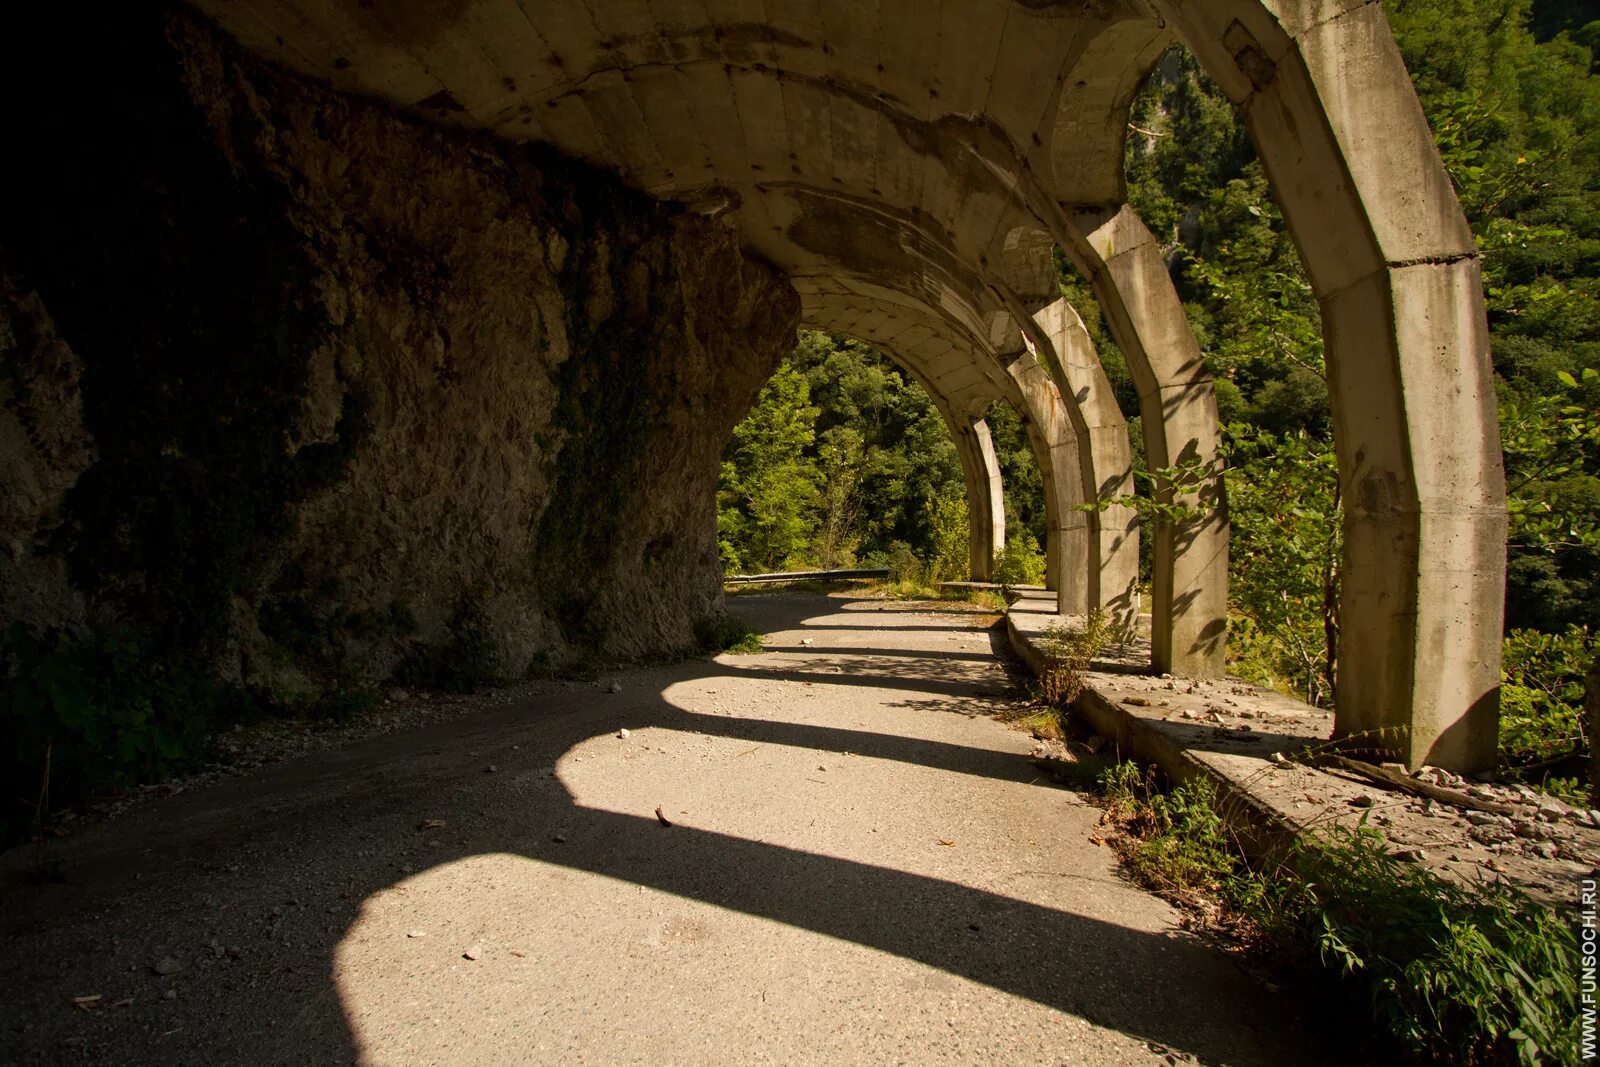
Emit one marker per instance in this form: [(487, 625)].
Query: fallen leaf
[(87, 1002), (942, 841), (661, 817), (432, 824), (1096, 839)]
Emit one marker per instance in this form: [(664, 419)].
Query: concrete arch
[(889, 155), (1178, 418), (1056, 447), (1326, 98), (915, 347), (1105, 459), (1091, 123)]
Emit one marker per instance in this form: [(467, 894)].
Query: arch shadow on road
[(293, 854)]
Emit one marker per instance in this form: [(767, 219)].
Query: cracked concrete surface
[(861, 868)]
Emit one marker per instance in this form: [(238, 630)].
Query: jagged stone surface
[(316, 392)]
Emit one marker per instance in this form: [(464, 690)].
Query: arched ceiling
[(895, 157)]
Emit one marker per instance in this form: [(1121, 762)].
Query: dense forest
[(845, 460)]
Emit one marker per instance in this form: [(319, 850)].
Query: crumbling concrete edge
[(1232, 734), (1263, 831)]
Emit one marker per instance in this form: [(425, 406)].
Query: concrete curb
[(1227, 731), (1263, 828)]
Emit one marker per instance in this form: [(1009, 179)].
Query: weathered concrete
[(1104, 456), (1055, 444), (1178, 415), (986, 506), (1326, 98)]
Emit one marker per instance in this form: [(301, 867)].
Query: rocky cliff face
[(309, 393)]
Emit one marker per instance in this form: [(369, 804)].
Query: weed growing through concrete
[(1068, 652), (1469, 975)]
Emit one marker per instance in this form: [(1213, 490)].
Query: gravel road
[(861, 866)]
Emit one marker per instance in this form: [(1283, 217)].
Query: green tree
[(767, 498)]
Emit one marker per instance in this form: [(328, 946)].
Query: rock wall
[(309, 393)]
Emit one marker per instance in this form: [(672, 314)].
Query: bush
[(727, 633), (1021, 563), (1465, 975), (85, 714), (1541, 696)]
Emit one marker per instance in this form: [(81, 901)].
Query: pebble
[(623, 733), (472, 953), (167, 965)]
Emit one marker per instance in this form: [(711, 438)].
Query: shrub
[(1021, 563), (1461, 974), (1541, 696), (727, 633)]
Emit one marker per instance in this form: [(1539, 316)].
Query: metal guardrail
[(804, 576)]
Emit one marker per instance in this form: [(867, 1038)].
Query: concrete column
[(1326, 99), (1178, 413), (1105, 459), (1055, 446), (986, 509)]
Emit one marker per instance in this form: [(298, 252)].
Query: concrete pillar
[(1105, 459), (1178, 413), (1327, 100), (1055, 446), (986, 509)]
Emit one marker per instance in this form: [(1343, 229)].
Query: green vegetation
[(1453, 974), (727, 633), (1068, 652), (844, 461), (865, 470), (1510, 90)]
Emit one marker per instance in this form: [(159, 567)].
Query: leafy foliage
[(1283, 503), (1460, 974), (844, 460), (1541, 698), (727, 633), (1455, 974)]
